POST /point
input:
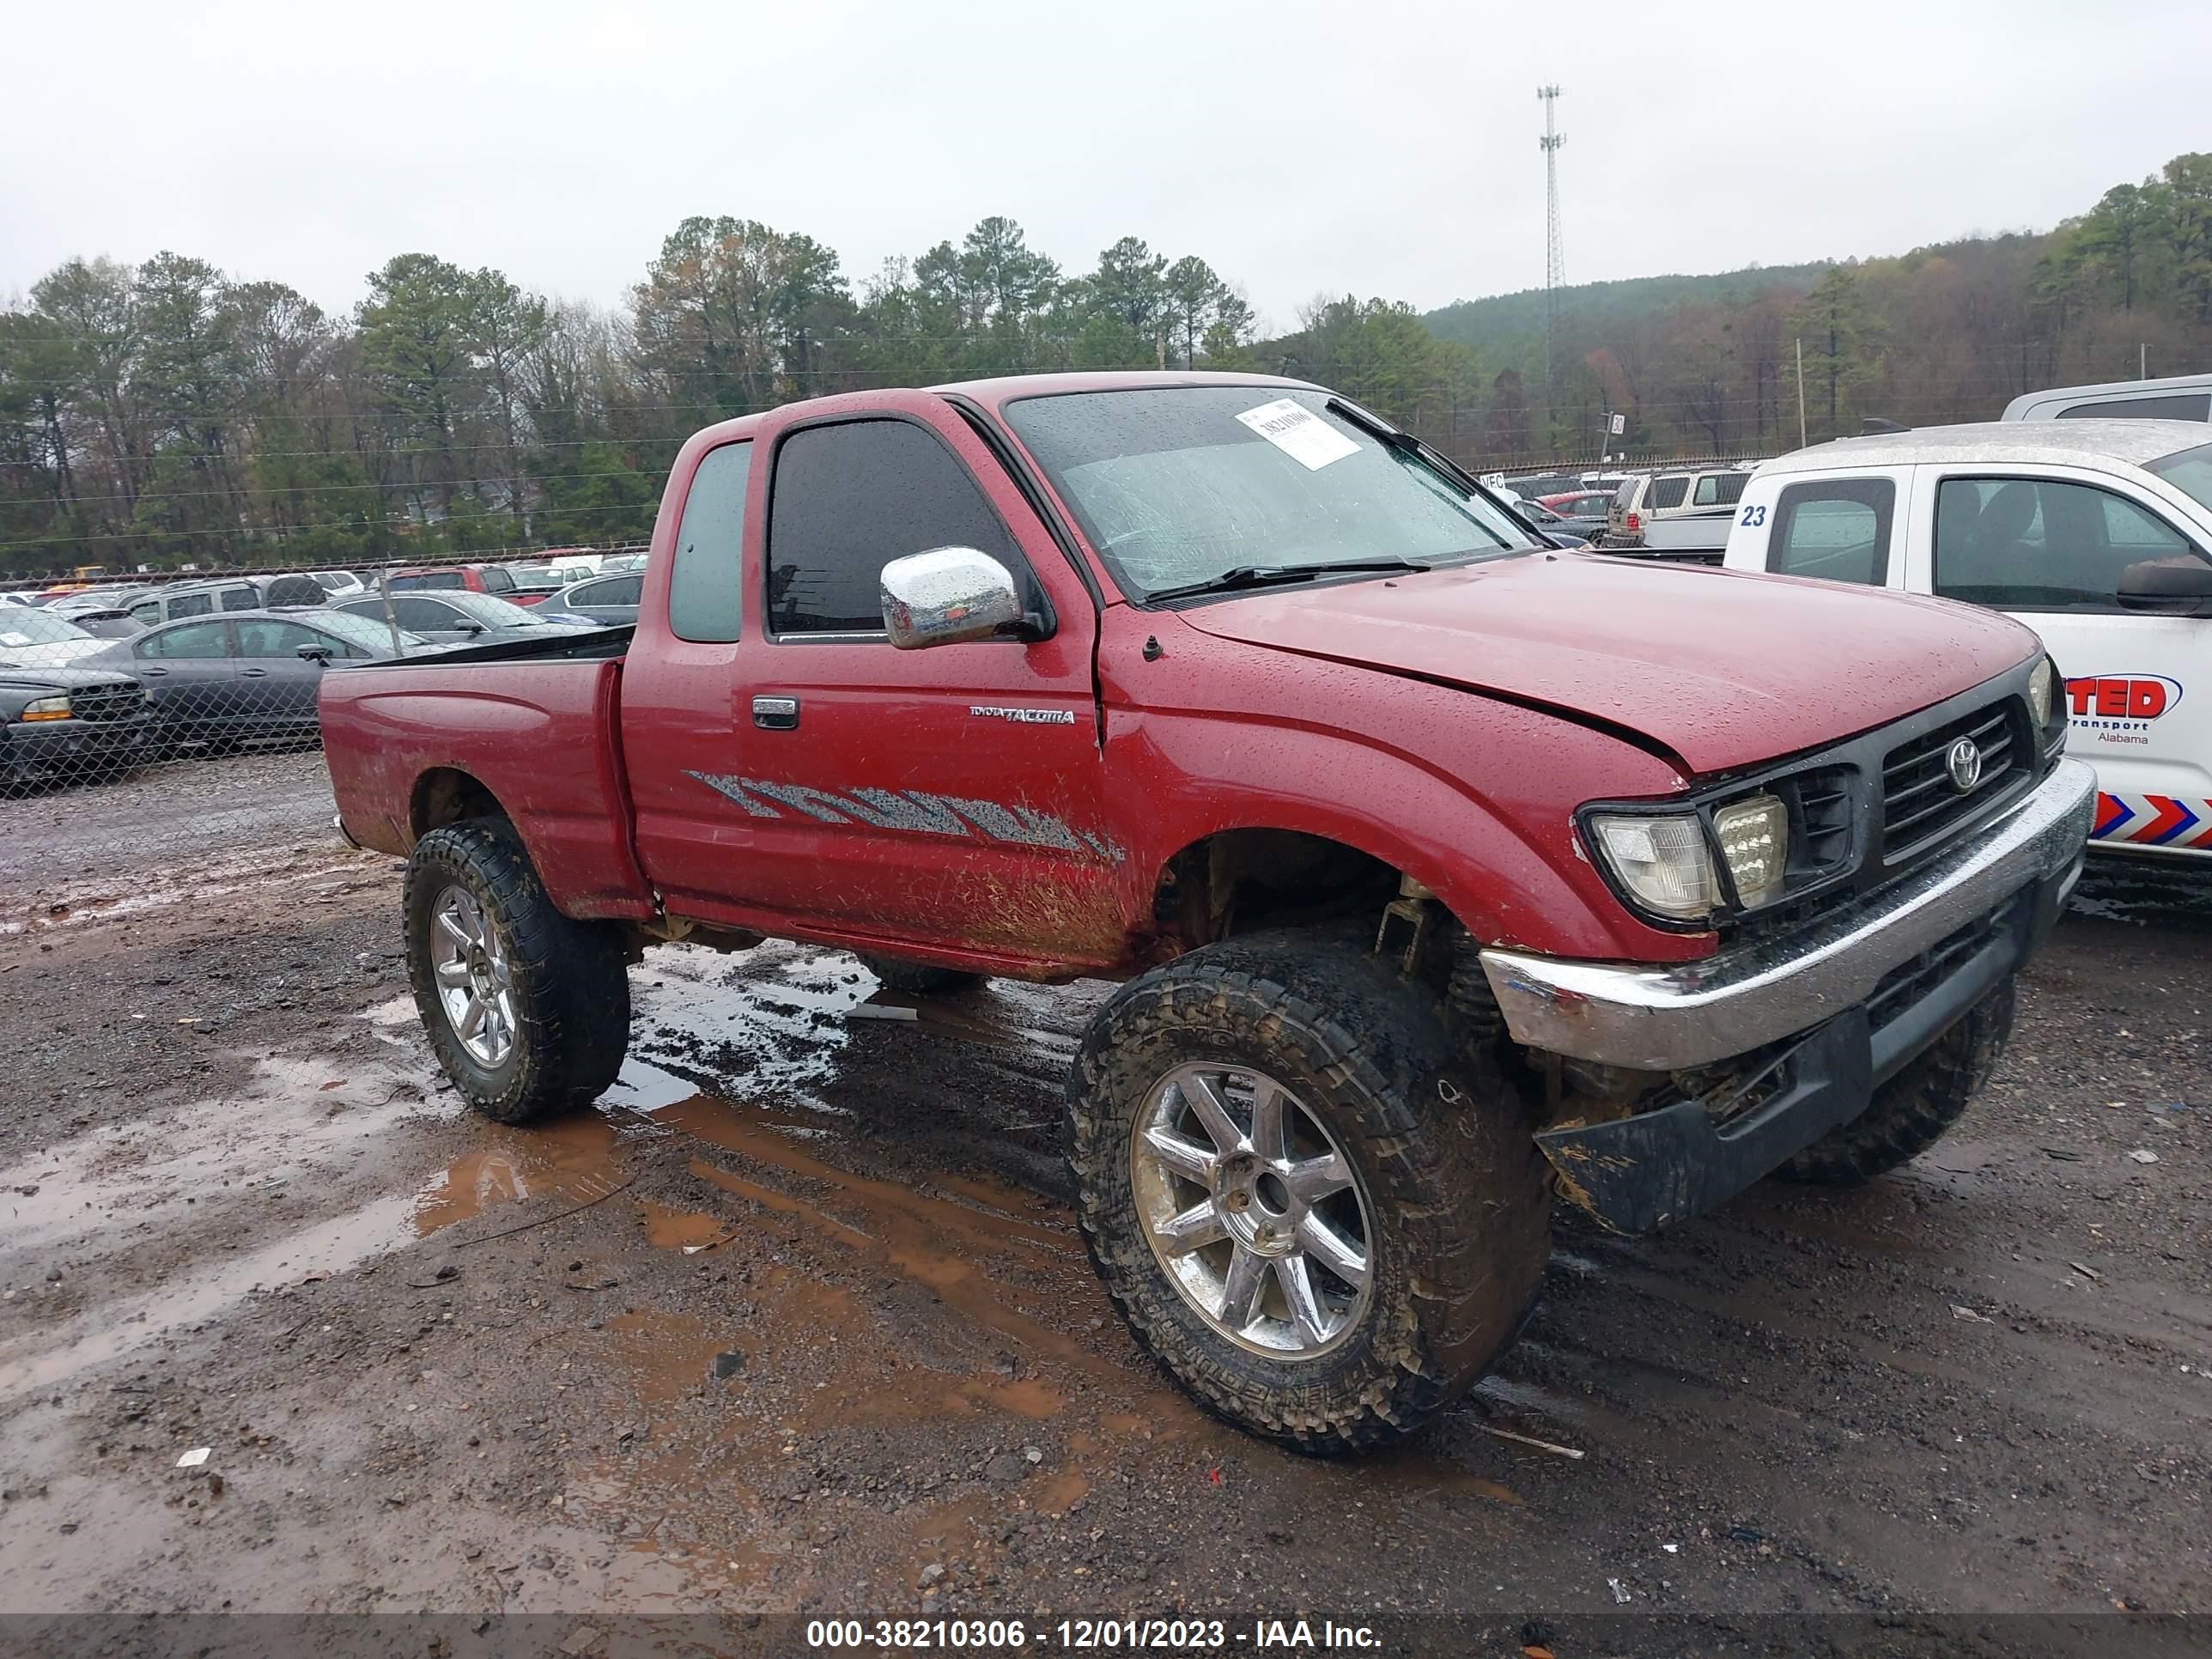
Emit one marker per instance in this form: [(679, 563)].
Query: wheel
[(919, 978), (1320, 1219), (526, 1010), (1914, 1109)]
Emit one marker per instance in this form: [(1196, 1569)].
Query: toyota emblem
[(1964, 763)]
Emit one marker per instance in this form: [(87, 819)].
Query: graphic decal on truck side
[(2120, 707), (2153, 821), (913, 812)]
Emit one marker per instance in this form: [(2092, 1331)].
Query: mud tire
[(571, 990), (1914, 1109), (1459, 1227), (919, 978)]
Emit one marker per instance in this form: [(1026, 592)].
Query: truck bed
[(535, 727)]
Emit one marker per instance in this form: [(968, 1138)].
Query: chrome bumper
[(1693, 1013)]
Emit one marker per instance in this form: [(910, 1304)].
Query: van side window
[(1666, 493), (2041, 544), (848, 499), (705, 598), (1836, 529), (1720, 490), (2179, 406)]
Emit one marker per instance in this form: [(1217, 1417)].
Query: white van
[(2182, 397), (2097, 534)]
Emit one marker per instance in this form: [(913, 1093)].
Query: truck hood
[(1722, 669)]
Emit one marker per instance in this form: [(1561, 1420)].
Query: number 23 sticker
[(1752, 518)]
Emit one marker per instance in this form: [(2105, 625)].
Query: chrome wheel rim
[(1253, 1211), (468, 963)]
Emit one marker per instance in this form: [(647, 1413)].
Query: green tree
[(1840, 337), (418, 354), (2188, 208)]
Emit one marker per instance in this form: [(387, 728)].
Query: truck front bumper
[(1862, 993)]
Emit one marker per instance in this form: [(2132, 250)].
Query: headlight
[(47, 708), (1755, 838), (1662, 861), (2042, 687)]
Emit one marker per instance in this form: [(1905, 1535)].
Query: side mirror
[(2167, 587), (319, 654), (951, 594), (469, 628)]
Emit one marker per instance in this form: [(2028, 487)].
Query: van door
[(2050, 548)]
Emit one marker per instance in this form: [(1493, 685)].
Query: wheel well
[(446, 794), (1242, 880)]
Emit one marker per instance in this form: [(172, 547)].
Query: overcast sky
[(1301, 147)]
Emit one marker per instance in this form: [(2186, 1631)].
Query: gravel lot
[(798, 1322)]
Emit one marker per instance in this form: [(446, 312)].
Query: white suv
[(2097, 534), (1648, 495)]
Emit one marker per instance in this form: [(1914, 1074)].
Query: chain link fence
[(156, 715)]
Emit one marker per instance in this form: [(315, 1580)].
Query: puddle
[(1062, 1491), (572, 1158), (689, 1230), (290, 1120), (78, 903)]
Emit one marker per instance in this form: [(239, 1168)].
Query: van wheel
[(919, 978), (1322, 1222), (1917, 1108), (526, 1010)]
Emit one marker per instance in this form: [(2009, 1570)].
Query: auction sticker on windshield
[(1300, 433)]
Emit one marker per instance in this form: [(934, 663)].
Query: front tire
[(1320, 1220), (526, 1010), (1917, 1108)]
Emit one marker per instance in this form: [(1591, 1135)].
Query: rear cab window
[(1836, 529)]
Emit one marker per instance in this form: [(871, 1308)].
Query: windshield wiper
[(1270, 575)]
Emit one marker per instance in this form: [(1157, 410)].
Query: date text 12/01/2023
[(1088, 1635)]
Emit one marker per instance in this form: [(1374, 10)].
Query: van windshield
[(2189, 470), (1178, 485)]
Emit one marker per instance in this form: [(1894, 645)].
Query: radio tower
[(1555, 253)]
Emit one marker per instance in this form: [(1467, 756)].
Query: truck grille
[(1919, 798), (106, 703)]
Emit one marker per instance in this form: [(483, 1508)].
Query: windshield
[(492, 611), (20, 625), (1178, 485), (2189, 470), (362, 634)]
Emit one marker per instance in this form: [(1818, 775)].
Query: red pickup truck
[(1447, 870)]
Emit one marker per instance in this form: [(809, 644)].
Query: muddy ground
[(797, 1323)]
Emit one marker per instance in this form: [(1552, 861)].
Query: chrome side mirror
[(948, 595)]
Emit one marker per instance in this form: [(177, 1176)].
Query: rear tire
[(919, 978), (1917, 1108), (552, 992), (1442, 1190)]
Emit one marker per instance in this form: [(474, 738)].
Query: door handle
[(252, 674), (776, 714)]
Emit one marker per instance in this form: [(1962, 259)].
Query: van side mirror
[(952, 594), (2167, 587)]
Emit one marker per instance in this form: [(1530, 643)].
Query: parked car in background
[(32, 636), (617, 562), (2097, 534), (1647, 496), (243, 677), (2178, 398), (1581, 512), (454, 617), (112, 623), (182, 600), (68, 725), (93, 598), (1543, 521), (609, 600), (339, 584), (449, 579)]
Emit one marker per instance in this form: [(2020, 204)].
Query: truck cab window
[(1838, 531), (704, 600), (848, 499), (2041, 544)]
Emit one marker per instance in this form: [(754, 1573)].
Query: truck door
[(2050, 551), (950, 797), (1838, 526)]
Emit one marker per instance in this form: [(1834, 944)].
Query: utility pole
[(1555, 256), (1801, 391)]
